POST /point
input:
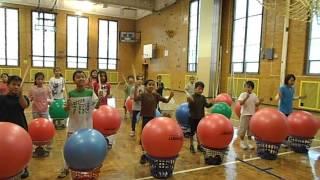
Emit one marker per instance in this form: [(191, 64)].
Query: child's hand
[(212, 100), (100, 94), (303, 97), (248, 95), (19, 92), (171, 94)]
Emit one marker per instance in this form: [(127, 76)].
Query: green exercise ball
[(56, 109), (222, 108)]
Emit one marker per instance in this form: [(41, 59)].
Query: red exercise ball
[(237, 109), (215, 131), (224, 97), (162, 137), (41, 131), (302, 124), (15, 149), (129, 104), (269, 125), (106, 120)]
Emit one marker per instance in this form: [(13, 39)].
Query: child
[(40, 96), (80, 104), (136, 108), (3, 84), (189, 88), (92, 79), (12, 107), (102, 92), (286, 95), (249, 102), (197, 103), (127, 91), (149, 101), (57, 86), (160, 85)]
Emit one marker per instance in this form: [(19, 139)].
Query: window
[(246, 40), (108, 45), (77, 42), (43, 39), (193, 36), (313, 61), (9, 37)]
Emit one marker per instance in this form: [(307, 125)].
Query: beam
[(138, 4)]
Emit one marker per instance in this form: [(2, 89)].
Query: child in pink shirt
[(3, 84)]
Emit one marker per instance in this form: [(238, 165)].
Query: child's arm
[(63, 85), (243, 100), (166, 100), (22, 99), (136, 95)]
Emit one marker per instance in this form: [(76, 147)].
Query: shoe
[(213, 160), (250, 146), (284, 146), (192, 150), (200, 149), (132, 133), (63, 173), (243, 145), (143, 159), (40, 152), (25, 174)]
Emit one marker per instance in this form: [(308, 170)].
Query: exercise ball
[(237, 109), (269, 125), (56, 109), (162, 137), (215, 131), (15, 149), (41, 131), (129, 104), (222, 108), (106, 120), (224, 97), (302, 124), (85, 150), (183, 114)]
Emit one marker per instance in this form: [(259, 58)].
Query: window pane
[(12, 36), (237, 53), (49, 40), (194, 8), (315, 30), (103, 39), (239, 31), (237, 67), (83, 37), (254, 30), (72, 36), (82, 65), (252, 67), (37, 61), (314, 67), (255, 7), (72, 62), (113, 31), (102, 66), (252, 53), (314, 49), (12, 62), (37, 34), (240, 8), (2, 37), (49, 62), (193, 36)]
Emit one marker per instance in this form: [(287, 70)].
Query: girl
[(127, 90), (3, 84), (80, 104), (136, 107), (93, 78), (102, 92), (149, 101)]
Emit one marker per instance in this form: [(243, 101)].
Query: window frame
[(98, 42), (5, 30), (244, 63), (197, 36), (78, 16), (307, 52), (55, 41)]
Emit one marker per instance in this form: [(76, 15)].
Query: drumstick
[(99, 80), (25, 74), (125, 81), (134, 72)]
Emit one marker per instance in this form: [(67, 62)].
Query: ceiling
[(129, 9)]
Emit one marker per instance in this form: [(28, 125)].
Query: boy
[(12, 107), (189, 89), (136, 108), (249, 102), (80, 104), (160, 85), (127, 90), (197, 103)]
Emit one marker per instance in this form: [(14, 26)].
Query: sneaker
[(192, 150), (132, 133), (250, 146), (25, 174), (243, 145), (63, 173), (213, 160), (284, 146), (143, 159)]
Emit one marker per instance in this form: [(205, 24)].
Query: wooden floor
[(122, 161)]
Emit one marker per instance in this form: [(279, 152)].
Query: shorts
[(244, 125), (40, 115), (193, 125)]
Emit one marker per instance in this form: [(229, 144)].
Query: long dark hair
[(288, 77), (37, 75)]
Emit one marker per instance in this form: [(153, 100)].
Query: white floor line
[(227, 163)]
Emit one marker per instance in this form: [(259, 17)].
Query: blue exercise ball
[(183, 114), (85, 149)]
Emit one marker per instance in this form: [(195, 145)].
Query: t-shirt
[(287, 94), (80, 113), (249, 107), (127, 90), (3, 88), (190, 88), (136, 104), (57, 87), (11, 110), (196, 107), (105, 92), (149, 103), (39, 97)]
